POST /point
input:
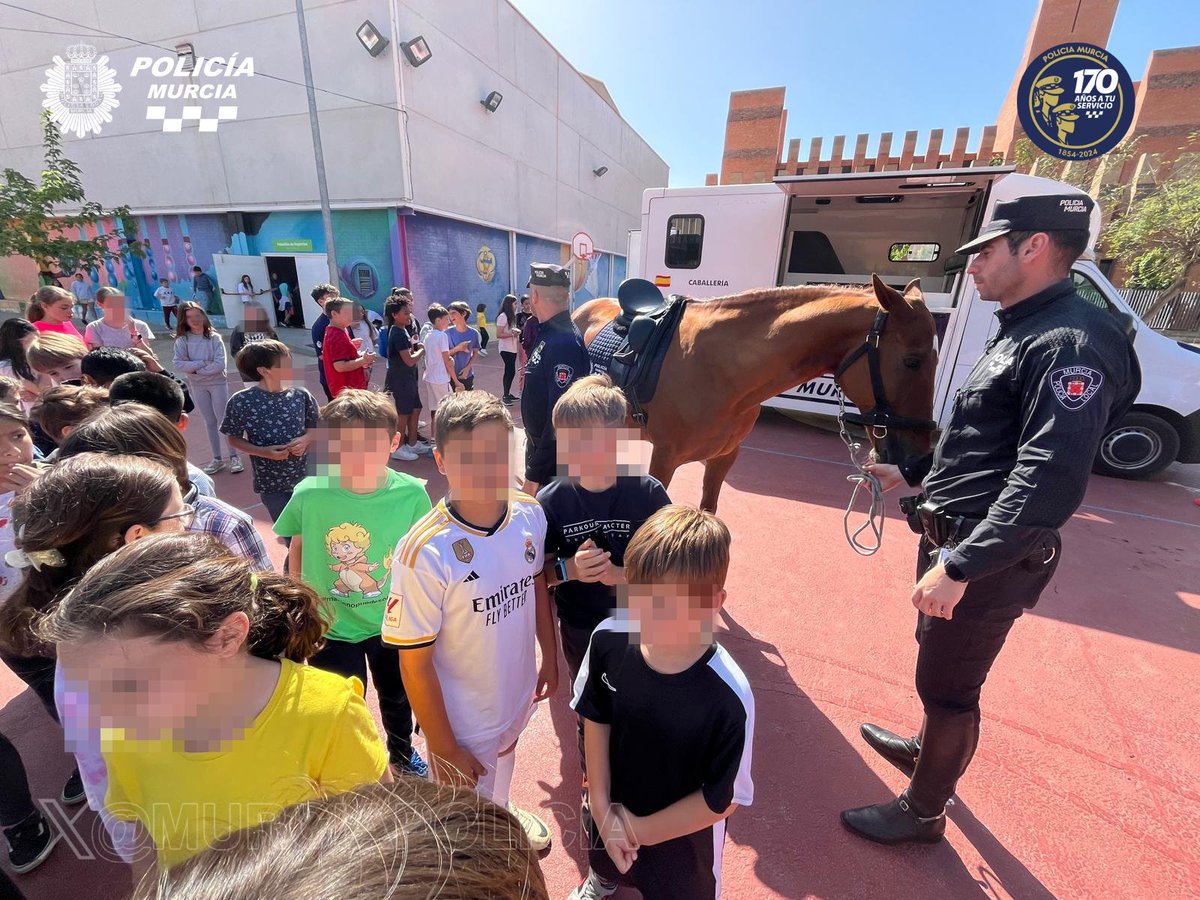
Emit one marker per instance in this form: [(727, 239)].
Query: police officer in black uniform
[(1009, 470), (556, 360)]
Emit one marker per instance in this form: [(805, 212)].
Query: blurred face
[(477, 463), (360, 313), (59, 311), (589, 452), (174, 518), (113, 306), (340, 318), (673, 613), (27, 340), (543, 307), (16, 446), (281, 370), (457, 319), (403, 317), (359, 452), (195, 320), (149, 687)]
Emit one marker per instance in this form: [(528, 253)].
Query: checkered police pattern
[(190, 113)]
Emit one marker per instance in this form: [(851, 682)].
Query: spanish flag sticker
[(662, 280)]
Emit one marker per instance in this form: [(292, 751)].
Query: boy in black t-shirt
[(669, 718), (593, 512)]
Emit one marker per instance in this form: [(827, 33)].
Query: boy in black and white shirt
[(669, 718)]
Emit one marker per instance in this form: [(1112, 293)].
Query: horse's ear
[(912, 290), (889, 298)]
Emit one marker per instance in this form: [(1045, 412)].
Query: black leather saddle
[(646, 325)]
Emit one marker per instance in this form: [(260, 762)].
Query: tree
[(32, 226), (1160, 234)]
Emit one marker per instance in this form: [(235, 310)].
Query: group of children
[(215, 706)]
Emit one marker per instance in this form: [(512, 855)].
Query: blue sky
[(877, 66)]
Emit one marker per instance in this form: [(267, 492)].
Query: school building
[(459, 145)]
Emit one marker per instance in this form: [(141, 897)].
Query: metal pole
[(318, 154)]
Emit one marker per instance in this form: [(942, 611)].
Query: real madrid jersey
[(470, 594)]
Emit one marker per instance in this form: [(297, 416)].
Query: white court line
[(1103, 509)]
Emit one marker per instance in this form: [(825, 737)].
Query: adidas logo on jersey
[(474, 576)]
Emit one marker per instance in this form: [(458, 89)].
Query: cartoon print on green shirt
[(348, 544)]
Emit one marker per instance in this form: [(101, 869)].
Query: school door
[(311, 269), (230, 270)]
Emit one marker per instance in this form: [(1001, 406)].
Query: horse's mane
[(799, 295)]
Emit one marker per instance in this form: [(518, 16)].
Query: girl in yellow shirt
[(192, 665)]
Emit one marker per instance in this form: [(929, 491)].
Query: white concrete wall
[(527, 166)]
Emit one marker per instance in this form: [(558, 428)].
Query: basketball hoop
[(582, 247)]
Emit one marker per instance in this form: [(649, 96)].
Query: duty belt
[(942, 528)]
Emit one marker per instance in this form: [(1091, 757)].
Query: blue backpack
[(383, 341)]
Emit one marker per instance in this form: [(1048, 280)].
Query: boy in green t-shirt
[(344, 525)]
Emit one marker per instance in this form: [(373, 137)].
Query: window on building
[(914, 252), (685, 241), (811, 252), (822, 170), (847, 169)]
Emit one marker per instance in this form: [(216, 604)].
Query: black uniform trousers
[(953, 661)]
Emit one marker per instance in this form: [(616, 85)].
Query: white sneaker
[(405, 452), (482, 352), (214, 467), (535, 830), (593, 888), (422, 448), (235, 465)]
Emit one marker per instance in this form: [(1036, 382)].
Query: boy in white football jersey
[(468, 601)]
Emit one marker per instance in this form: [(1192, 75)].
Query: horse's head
[(889, 377)]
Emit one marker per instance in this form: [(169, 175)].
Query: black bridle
[(881, 418)]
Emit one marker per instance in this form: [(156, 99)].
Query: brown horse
[(732, 353)]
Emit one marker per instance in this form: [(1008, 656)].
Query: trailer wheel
[(1141, 445)]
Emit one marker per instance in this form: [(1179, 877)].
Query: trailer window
[(914, 252), (685, 241), (812, 253)]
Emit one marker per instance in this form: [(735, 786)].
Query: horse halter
[(880, 418)]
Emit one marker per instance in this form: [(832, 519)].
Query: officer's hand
[(936, 594), (888, 476)]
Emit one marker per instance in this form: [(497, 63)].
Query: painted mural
[(440, 259), (450, 260)]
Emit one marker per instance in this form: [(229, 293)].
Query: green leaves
[(33, 225)]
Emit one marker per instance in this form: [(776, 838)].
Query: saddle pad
[(603, 346)]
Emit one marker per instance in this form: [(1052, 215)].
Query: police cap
[(548, 275), (1048, 212)]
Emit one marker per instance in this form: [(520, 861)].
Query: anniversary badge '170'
[(1075, 101)]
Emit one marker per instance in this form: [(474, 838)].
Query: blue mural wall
[(531, 250), (450, 260), (447, 259)]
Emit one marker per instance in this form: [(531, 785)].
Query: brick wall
[(754, 129)]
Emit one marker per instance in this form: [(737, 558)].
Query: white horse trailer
[(838, 229)]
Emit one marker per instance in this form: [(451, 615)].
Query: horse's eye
[(912, 362)]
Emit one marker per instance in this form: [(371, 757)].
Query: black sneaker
[(30, 842), (73, 792)]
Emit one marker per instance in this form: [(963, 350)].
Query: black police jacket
[(1027, 423), (558, 358)]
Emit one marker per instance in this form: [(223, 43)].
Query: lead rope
[(862, 480)]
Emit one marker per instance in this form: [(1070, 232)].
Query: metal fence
[(1179, 318)]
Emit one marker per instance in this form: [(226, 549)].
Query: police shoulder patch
[(1074, 386), (562, 375)]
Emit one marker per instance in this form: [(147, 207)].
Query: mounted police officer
[(1009, 470), (556, 360)]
